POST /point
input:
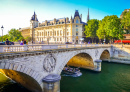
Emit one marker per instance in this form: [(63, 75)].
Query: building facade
[(60, 30)]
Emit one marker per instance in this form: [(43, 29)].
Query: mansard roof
[(24, 28), (34, 17), (76, 13), (62, 20)]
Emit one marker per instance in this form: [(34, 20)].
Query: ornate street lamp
[(73, 39), (48, 37), (2, 32), (104, 39)]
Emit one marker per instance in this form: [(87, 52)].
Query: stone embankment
[(121, 54)]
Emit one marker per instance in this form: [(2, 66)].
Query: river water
[(113, 78)]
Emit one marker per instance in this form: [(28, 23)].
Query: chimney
[(81, 17), (45, 22), (67, 19)]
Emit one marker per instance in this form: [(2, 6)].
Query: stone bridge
[(39, 71)]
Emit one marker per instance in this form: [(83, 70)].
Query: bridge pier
[(98, 68), (51, 83)]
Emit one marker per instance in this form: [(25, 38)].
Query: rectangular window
[(48, 33), (76, 30), (51, 33), (42, 33), (58, 33), (67, 33), (76, 33), (55, 33)]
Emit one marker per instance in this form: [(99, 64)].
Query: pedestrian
[(7, 42), (24, 42), (21, 42)]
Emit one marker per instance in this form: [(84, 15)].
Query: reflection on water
[(113, 78), (6, 85)]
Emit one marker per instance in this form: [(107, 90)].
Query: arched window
[(77, 21)]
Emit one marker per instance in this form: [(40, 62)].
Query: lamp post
[(48, 37), (2, 32), (104, 39), (73, 39)]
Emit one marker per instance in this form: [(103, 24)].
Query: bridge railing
[(21, 48)]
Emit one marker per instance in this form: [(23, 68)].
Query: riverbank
[(118, 60)]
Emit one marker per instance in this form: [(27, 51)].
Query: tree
[(101, 33), (28, 39), (91, 28), (109, 28), (15, 35), (113, 26), (125, 20), (4, 37)]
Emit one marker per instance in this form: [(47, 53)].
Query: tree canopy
[(13, 35), (110, 27), (125, 20), (91, 28)]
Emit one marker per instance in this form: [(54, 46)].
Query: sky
[(17, 13)]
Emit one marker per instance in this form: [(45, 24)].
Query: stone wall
[(22, 79)]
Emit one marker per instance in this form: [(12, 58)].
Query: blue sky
[(17, 13)]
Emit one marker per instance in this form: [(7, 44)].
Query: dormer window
[(77, 21)]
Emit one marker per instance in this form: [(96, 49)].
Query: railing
[(21, 48)]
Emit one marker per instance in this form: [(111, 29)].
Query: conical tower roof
[(34, 17)]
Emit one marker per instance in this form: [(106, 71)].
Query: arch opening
[(105, 55), (82, 60), (22, 79)]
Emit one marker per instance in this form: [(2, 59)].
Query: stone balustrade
[(21, 48)]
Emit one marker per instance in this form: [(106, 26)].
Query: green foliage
[(91, 28), (121, 32), (110, 27), (101, 31), (126, 21), (4, 37), (15, 35), (113, 26), (28, 39)]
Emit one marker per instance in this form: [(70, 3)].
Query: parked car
[(3, 43), (68, 43)]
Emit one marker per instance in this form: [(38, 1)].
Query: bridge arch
[(22, 74), (83, 54), (105, 54)]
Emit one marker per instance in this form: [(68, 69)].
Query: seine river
[(113, 78)]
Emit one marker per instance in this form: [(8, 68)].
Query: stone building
[(57, 30), (126, 10)]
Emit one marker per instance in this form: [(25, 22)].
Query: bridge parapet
[(21, 48)]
